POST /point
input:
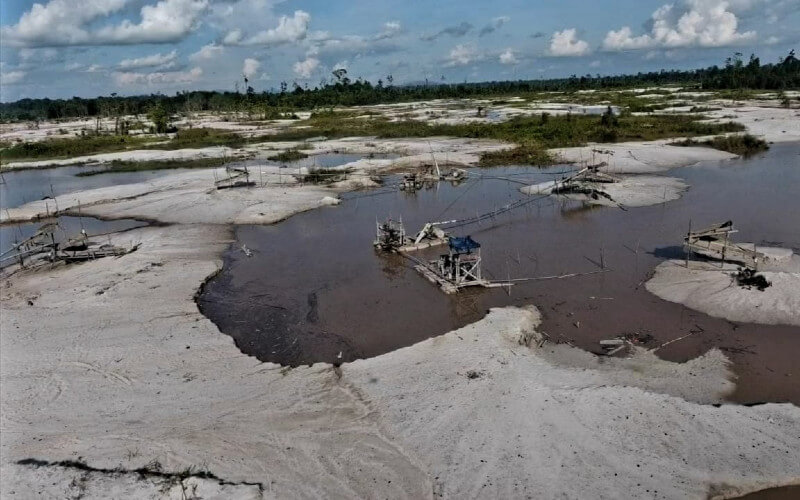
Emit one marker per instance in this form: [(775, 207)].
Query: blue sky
[(64, 48)]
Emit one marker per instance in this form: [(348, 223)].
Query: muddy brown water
[(22, 186), (315, 290)]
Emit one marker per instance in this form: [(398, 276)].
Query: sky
[(86, 48)]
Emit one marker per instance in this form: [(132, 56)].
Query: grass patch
[(743, 145), (118, 166), (703, 109), (533, 135), (203, 138), (525, 154), (326, 175), (67, 148), (96, 144), (288, 155)]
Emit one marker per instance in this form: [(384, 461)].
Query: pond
[(315, 290)]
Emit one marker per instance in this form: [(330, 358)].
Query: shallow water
[(315, 290), (22, 186), (69, 227)]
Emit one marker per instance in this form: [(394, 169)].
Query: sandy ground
[(773, 124), (190, 197), (640, 157), (135, 155), (110, 363), (630, 191), (708, 287)]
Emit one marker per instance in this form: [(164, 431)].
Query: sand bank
[(709, 287), (111, 362)]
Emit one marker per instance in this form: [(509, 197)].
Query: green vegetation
[(67, 148), (135, 166), (288, 155), (533, 135), (202, 138), (160, 118), (741, 144), (736, 75), (703, 109), (326, 175), (95, 144)]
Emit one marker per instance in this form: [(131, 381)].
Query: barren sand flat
[(641, 157), (709, 287), (628, 191), (129, 372), (137, 155), (116, 385)]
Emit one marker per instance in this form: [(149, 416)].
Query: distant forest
[(736, 74)]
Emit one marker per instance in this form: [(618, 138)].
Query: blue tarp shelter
[(463, 245)]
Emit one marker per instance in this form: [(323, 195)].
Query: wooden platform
[(449, 287)]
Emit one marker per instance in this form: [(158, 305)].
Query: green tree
[(160, 118)]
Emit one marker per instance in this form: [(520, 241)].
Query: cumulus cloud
[(703, 23), (508, 57), (62, 22), (166, 21), (163, 61), (567, 44), (454, 31), (12, 77), (390, 30), (250, 67), (463, 54), (289, 29), (207, 52), (304, 69), (494, 25), (129, 78)]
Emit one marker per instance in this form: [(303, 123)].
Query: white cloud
[(207, 52), (12, 77), (289, 29), (58, 22), (390, 29), (566, 43), (508, 57), (233, 37), (127, 78), (63, 22), (463, 54), (250, 67), (163, 61), (94, 68), (703, 23), (304, 69), (166, 21)]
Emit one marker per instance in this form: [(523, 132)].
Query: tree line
[(341, 91)]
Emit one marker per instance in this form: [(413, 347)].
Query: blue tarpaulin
[(463, 245)]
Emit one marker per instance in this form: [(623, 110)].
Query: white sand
[(630, 191), (136, 155), (771, 123), (709, 288), (114, 364), (640, 157)]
